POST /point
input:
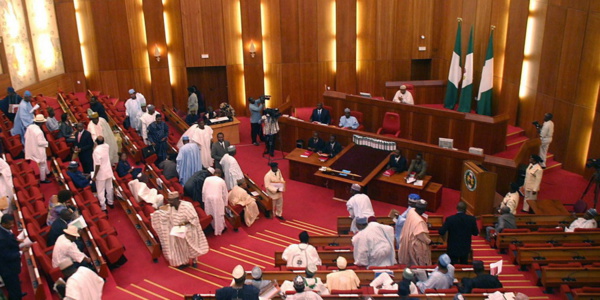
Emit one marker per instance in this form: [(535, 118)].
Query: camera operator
[(546, 132), (256, 109), (270, 129)]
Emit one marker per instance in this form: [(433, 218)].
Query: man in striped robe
[(179, 231)]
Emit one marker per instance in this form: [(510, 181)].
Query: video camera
[(537, 124), (264, 97), (593, 163), (273, 113)]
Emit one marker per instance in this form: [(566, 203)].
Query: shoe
[(111, 205), (183, 267), (45, 181), (272, 154), (280, 218), (256, 144)]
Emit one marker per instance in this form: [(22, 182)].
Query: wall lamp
[(156, 52), (252, 49)]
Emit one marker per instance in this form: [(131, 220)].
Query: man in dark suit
[(219, 149), (57, 227), (84, 146), (333, 147), (316, 144), (10, 258), (397, 162), (460, 227), (320, 115)]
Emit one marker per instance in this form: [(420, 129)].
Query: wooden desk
[(534, 222), (303, 168), (394, 189), (231, 130), (545, 255), (343, 223), (547, 207), (346, 240), (554, 277), (504, 240)]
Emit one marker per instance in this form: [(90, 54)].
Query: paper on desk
[(254, 193), (178, 231), (496, 296), (496, 268), (419, 183), (410, 180)]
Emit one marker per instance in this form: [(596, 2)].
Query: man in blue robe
[(24, 117), (158, 132), (189, 160), (11, 98)]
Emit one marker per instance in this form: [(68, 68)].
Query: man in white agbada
[(100, 127), (373, 244), (189, 160), (200, 134), (301, 255), (214, 196), (35, 146), (442, 276), (133, 109), (147, 118), (275, 185), (103, 174), (138, 96), (141, 192), (343, 279), (81, 283), (179, 217), (399, 220), (231, 168), (587, 221), (302, 293), (239, 196), (359, 206), (6, 185)]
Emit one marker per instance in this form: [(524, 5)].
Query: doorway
[(211, 82)]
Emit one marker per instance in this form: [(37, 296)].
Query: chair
[(109, 245), (46, 263), (338, 292), (452, 290), (391, 125), (359, 117), (36, 237)]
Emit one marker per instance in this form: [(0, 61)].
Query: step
[(552, 164), (515, 142), (514, 131)]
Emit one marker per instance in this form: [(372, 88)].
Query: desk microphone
[(538, 257), (334, 243), (571, 279)]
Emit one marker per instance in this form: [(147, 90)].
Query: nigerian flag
[(454, 74), (484, 98), (466, 94)]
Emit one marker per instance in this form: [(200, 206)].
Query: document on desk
[(410, 180), (254, 193), (419, 183)]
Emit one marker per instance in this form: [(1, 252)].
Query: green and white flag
[(455, 73), (466, 94), (484, 98)]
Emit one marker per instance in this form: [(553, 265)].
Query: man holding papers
[(275, 186)]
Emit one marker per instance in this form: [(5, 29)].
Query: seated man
[(397, 162), (348, 121), (238, 290), (588, 221), (192, 118), (316, 144), (373, 244), (239, 196), (442, 276), (124, 168), (320, 115), (300, 255), (481, 281), (403, 96), (418, 166), (58, 203), (169, 167), (79, 179), (333, 147), (302, 293), (58, 226), (51, 121), (511, 200), (342, 279), (505, 220), (66, 249), (257, 280)]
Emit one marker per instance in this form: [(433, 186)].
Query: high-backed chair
[(359, 117), (391, 125)]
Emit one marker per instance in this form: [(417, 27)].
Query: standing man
[(256, 109), (460, 227), (399, 220), (10, 257), (231, 169), (158, 133), (96, 106), (403, 96), (275, 186), (238, 290), (546, 133), (138, 96), (418, 166), (100, 127), (190, 243), (35, 146), (239, 196), (218, 149), (359, 206), (189, 160), (201, 134), (320, 115), (533, 179), (347, 121), (414, 241), (103, 174), (214, 196), (192, 103), (373, 244), (147, 118), (23, 117), (84, 147), (11, 98), (133, 109)]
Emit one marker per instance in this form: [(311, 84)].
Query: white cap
[(403, 87), (238, 272), (356, 187), (131, 91), (341, 262)]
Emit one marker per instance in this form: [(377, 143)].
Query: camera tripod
[(594, 180), (271, 140)]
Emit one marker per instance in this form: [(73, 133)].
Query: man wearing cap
[(178, 250), (219, 149), (373, 244), (275, 185), (359, 206), (10, 258), (157, 134), (414, 241), (533, 179), (214, 196), (239, 196), (66, 248), (23, 117), (302, 254), (546, 133), (348, 121), (79, 282), (511, 200), (483, 280), (403, 96), (103, 174), (200, 134), (231, 169), (100, 127), (408, 280), (189, 160), (442, 276), (133, 108), (460, 227), (11, 98), (587, 221), (35, 146), (342, 279), (79, 179), (399, 220), (320, 115), (301, 292), (193, 186), (257, 280), (238, 290), (146, 119), (333, 147), (84, 147)]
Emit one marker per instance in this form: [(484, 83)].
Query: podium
[(477, 188)]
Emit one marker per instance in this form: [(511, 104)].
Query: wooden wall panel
[(346, 46), (176, 54), (423, 14), (212, 22), (67, 29), (103, 34), (252, 32), (290, 47), (159, 69), (570, 56), (120, 46), (555, 31), (308, 30), (191, 22)]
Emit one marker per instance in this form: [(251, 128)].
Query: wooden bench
[(532, 222), (504, 240), (343, 223), (545, 255), (346, 240), (265, 202), (175, 119), (573, 277)]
